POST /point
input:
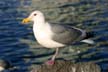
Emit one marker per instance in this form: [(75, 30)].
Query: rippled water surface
[(18, 45)]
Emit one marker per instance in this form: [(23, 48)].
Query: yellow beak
[(26, 20)]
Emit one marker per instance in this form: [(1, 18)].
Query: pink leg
[(51, 62)]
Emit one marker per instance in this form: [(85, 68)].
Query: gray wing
[(65, 34)]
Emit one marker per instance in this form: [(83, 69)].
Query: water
[(17, 41)]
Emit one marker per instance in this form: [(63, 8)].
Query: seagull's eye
[(35, 14)]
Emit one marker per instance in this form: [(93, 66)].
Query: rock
[(4, 64), (68, 66)]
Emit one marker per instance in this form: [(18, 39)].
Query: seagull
[(56, 36)]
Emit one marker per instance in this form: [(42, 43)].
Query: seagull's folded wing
[(65, 34)]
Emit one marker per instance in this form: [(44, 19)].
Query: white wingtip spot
[(89, 41)]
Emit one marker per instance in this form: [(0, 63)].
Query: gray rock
[(68, 66)]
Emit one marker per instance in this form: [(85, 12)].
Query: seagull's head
[(35, 15)]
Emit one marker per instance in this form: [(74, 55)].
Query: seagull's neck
[(39, 22)]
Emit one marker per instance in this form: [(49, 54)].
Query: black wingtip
[(89, 35)]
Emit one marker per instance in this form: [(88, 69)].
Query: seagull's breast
[(44, 37)]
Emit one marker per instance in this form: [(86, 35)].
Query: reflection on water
[(17, 40)]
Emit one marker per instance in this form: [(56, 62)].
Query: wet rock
[(4, 64), (68, 66)]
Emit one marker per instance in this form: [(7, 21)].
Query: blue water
[(12, 32)]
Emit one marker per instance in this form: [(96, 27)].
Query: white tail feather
[(89, 41)]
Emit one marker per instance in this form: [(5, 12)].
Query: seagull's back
[(66, 34)]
